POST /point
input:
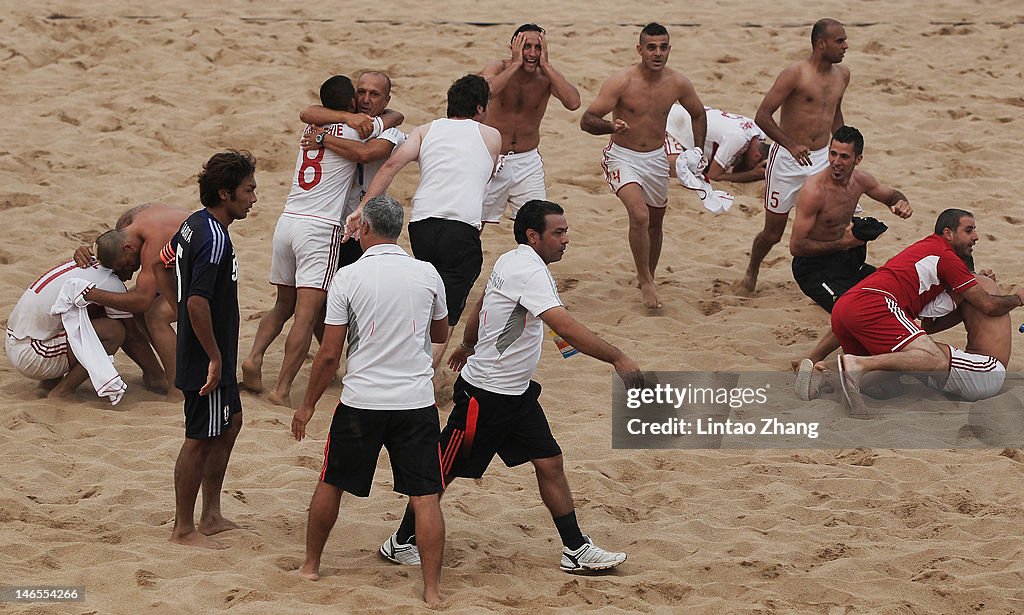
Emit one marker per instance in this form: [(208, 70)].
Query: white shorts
[(974, 376), (673, 147), (647, 169), (305, 253), (784, 177), (519, 178), (39, 359)]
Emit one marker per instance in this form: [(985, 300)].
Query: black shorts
[(349, 253), (825, 278), (453, 248), (411, 437), (210, 415), (484, 423)]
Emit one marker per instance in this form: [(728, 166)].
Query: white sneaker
[(399, 553), (589, 557)]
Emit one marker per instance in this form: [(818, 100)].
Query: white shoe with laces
[(406, 554), (589, 557)]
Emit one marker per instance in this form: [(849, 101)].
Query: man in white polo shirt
[(391, 307), (496, 402)]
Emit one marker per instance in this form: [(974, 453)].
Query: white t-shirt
[(455, 166), (31, 316), (519, 290), (365, 172), (388, 300), (323, 179), (728, 134)]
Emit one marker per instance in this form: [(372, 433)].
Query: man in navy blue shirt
[(203, 258)]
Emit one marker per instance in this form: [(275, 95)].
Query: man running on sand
[(635, 164), (809, 95)]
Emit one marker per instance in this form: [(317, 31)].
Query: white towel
[(690, 175), (71, 305)]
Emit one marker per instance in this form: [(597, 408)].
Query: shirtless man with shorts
[(810, 95), (635, 164), (829, 246), (143, 231), (520, 90)]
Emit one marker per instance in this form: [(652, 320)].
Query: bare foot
[(59, 392), (195, 539), (651, 298), (216, 525), (308, 572), (432, 597), (157, 383), (280, 400), (175, 396), (746, 286), (47, 385), (252, 375), (849, 381)]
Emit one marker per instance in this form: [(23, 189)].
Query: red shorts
[(871, 323)]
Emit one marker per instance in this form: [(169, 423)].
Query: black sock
[(569, 531), (407, 530)]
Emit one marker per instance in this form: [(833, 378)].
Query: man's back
[(920, 273), (31, 316), (388, 301), (322, 180), (455, 166)]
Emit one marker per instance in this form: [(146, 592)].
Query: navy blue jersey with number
[(205, 265)]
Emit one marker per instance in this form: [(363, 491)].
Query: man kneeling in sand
[(874, 321), (37, 344)]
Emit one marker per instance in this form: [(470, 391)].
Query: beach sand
[(114, 104)]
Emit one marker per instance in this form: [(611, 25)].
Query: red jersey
[(920, 273)]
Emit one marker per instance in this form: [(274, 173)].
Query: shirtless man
[(810, 95), (143, 231), (635, 165), (829, 246), (520, 90)]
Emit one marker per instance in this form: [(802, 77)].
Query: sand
[(110, 105)]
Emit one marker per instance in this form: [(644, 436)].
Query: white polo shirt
[(388, 299), (519, 290)]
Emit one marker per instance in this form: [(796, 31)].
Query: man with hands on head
[(520, 90)]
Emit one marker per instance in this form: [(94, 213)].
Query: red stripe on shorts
[(327, 449)]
